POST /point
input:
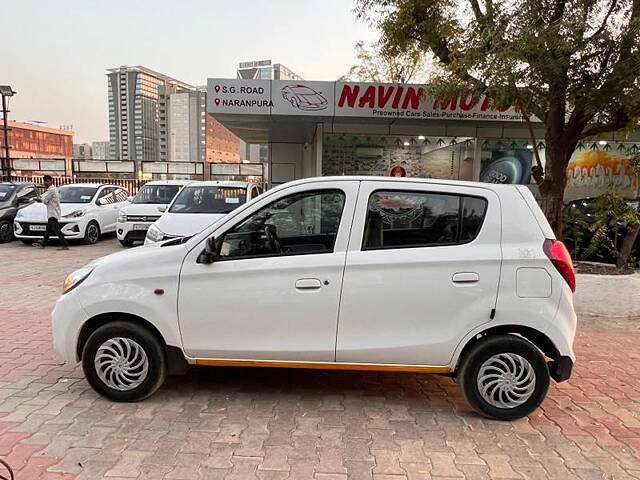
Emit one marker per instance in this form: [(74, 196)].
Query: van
[(360, 273)]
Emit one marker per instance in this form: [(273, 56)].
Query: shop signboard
[(348, 99), (244, 97), (293, 97)]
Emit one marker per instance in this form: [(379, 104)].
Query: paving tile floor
[(237, 423)]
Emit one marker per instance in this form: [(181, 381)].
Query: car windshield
[(6, 191), (156, 194), (209, 199), (76, 194)]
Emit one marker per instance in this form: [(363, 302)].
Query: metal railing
[(131, 184)]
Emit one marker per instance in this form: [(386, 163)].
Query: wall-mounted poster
[(592, 173), (504, 165)]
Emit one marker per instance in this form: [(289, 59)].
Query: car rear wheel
[(504, 377), (124, 362), (6, 231), (92, 233)]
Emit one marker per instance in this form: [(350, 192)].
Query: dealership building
[(317, 128)]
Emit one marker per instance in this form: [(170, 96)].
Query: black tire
[(91, 233), (503, 344), (28, 242), (153, 349), (6, 231), (126, 242)]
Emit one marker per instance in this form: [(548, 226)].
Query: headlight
[(75, 214), (75, 278), (122, 218), (154, 234)]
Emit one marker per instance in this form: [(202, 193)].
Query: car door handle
[(308, 284), (465, 277)]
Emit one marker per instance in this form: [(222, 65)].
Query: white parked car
[(198, 205), (88, 211), (455, 278), (135, 219)]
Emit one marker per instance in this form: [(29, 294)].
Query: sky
[(58, 51)]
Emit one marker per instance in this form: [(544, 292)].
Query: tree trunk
[(627, 246), (552, 187)]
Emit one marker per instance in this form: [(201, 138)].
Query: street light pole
[(6, 91)]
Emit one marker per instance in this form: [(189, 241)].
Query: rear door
[(422, 270)]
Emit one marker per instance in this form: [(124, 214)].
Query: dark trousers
[(53, 228)]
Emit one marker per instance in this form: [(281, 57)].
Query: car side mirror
[(102, 201), (130, 198), (210, 252), (24, 200), (162, 208)]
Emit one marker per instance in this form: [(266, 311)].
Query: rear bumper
[(560, 369)]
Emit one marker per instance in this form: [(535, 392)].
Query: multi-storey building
[(134, 113), (82, 151), (100, 150), (28, 140), (265, 70)]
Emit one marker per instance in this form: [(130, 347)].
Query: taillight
[(559, 256)]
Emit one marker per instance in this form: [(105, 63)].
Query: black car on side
[(13, 196)]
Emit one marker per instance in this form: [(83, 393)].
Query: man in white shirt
[(52, 200)]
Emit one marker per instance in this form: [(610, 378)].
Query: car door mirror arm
[(210, 252)]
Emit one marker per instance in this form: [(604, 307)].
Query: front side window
[(76, 194), (412, 219), (162, 194), (106, 196), (302, 223), (209, 199), (121, 195)]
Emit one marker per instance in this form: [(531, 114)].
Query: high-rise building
[(183, 133), (82, 151), (100, 150), (265, 70), (134, 113), (261, 70)]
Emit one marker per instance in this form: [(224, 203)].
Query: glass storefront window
[(415, 156), (507, 161)]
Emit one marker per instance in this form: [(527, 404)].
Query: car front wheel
[(124, 362), (6, 231), (504, 377), (92, 233)]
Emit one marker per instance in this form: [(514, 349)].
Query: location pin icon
[(217, 101), (217, 88)]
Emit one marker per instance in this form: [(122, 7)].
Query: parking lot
[(237, 423)]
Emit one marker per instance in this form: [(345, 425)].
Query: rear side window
[(397, 219)]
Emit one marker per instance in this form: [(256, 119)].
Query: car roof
[(401, 180), (96, 185), (168, 182), (220, 183)]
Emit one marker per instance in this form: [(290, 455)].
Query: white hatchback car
[(199, 205), (456, 278), (88, 211), (135, 219)]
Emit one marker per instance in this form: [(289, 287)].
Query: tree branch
[(475, 6), (604, 21), (621, 120)]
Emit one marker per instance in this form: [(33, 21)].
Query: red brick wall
[(28, 140), (222, 145)]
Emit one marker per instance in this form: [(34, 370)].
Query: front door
[(422, 271), (274, 291)]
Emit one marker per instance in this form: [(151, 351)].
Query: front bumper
[(67, 319), (125, 230), (23, 230)]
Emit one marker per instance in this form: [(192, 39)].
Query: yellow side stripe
[(215, 362)]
